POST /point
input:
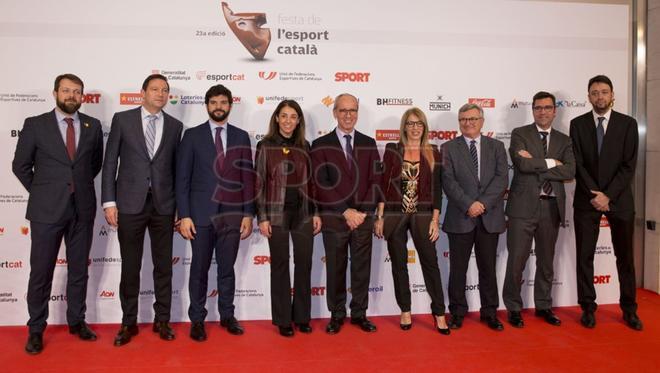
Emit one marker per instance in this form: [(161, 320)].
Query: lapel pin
[(285, 151), (86, 125)]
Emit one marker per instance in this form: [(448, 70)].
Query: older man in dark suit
[(605, 144), (346, 168), (138, 194), (57, 157), (474, 178), (542, 160)]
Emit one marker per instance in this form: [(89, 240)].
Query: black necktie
[(475, 155), (546, 187), (600, 133), (349, 151), (219, 149)]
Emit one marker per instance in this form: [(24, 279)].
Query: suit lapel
[(341, 161), (612, 134), (53, 130), (138, 132), (85, 133), (167, 132)]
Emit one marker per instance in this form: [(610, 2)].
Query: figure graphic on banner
[(215, 201), (247, 28), (138, 195), (412, 188), (58, 155)]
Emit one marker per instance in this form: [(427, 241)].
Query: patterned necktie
[(546, 186), (349, 151), (475, 155), (70, 138), (219, 149), (150, 135), (600, 133)]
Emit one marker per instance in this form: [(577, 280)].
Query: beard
[(68, 106), (218, 115)]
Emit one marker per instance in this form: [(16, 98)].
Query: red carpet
[(539, 347)]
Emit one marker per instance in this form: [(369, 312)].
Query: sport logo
[(247, 28), (267, 76), (482, 102)]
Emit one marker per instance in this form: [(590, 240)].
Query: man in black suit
[(346, 169), (57, 157), (542, 160), (139, 194), (605, 145)]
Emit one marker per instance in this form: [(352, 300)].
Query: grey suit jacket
[(530, 173), (127, 182), (462, 187)]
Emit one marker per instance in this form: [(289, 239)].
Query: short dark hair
[(70, 77), (543, 94), (600, 79), (151, 77), (218, 90)]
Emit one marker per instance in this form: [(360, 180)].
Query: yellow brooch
[(86, 125), (285, 151)]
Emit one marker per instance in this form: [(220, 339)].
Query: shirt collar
[(215, 124), (542, 130), (468, 140), (145, 113), (606, 115), (60, 116), (341, 133)]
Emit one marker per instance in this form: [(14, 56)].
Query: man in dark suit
[(215, 200), (57, 157), (137, 195), (346, 168), (542, 160), (605, 145), (474, 177)]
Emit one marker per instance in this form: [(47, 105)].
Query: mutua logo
[(261, 259), (387, 135), (602, 279), (91, 98), (130, 98), (267, 75), (107, 294), (11, 265), (354, 77), (482, 102)]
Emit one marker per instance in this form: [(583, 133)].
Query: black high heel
[(406, 326), (444, 331)]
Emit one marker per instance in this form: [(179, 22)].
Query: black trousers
[(587, 229), (302, 235), (337, 245), (46, 240), (131, 231), (542, 228), (485, 250), (418, 225)]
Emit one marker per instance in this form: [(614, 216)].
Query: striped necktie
[(475, 155), (150, 135), (546, 186)]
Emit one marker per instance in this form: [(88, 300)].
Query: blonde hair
[(425, 148)]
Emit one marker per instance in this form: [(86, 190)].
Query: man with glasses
[(542, 159), (474, 178), (346, 170)]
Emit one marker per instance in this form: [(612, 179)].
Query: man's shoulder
[(583, 118), (363, 138), (43, 117), (325, 139), (172, 120), (620, 117), (88, 119)]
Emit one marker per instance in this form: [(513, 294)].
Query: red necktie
[(70, 138)]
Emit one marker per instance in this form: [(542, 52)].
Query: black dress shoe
[(232, 326), (125, 333), (164, 329), (304, 328), (588, 320), (334, 326), (83, 331), (197, 331), (515, 319), (35, 343), (548, 316), (493, 323), (456, 322), (364, 324), (633, 321), (286, 331)]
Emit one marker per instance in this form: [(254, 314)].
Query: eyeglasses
[(543, 108), (347, 111), (418, 124), (471, 120)]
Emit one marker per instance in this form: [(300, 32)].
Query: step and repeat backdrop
[(436, 55)]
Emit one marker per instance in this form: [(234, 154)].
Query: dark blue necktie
[(546, 187), (220, 159), (349, 151), (475, 156), (600, 133)]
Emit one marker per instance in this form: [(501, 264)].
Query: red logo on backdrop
[(236, 100), (213, 293), (260, 100), (318, 290), (604, 223), (130, 99), (327, 101), (25, 230), (267, 75), (155, 71), (11, 265), (387, 135), (91, 98), (352, 77), (602, 279), (107, 294), (445, 254), (175, 260), (482, 102), (200, 74), (2, 231), (261, 259), (442, 135)]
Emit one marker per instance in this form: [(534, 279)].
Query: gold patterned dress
[(409, 178)]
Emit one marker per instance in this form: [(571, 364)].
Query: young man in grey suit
[(474, 178), (139, 195), (542, 160), (57, 157)]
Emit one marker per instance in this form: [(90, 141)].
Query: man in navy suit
[(346, 168), (214, 194), (137, 195), (605, 144), (57, 157)]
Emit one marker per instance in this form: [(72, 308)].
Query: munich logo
[(482, 102), (247, 28), (267, 75)]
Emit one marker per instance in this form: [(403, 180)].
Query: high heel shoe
[(444, 331), (406, 326)]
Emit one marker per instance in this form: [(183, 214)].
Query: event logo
[(247, 28), (106, 260), (570, 104), (202, 75), (11, 265), (12, 198), (604, 223), (602, 279), (515, 104), (176, 260), (439, 104), (174, 99), (318, 291), (213, 293), (482, 102), (445, 253), (107, 294), (276, 99), (418, 288), (387, 135), (394, 101), (91, 98), (411, 256), (172, 74), (261, 259), (327, 101), (7, 297), (442, 135), (2, 231), (21, 97), (355, 77), (107, 230), (472, 287), (267, 76), (58, 298), (604, 250), (130, 99)]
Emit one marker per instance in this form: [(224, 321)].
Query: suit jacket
[(529, 174), (337, 187), (210, 196), (128, 182), (462, 187), (612, 171), (42, 165)]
